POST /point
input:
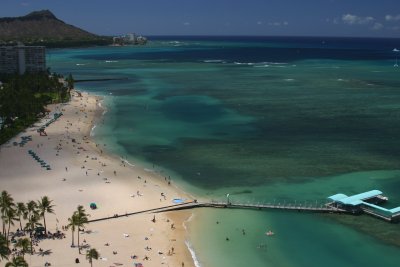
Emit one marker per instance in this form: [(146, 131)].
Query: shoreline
[(75, 158)]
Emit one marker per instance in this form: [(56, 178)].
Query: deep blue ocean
[(265, 119)]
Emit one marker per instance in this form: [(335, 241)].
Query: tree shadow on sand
[(45, 252)]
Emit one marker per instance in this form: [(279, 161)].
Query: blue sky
[(374, 18)]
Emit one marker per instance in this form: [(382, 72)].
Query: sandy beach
[(82, 173)]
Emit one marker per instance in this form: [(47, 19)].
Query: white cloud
[(186, 23), (377, 26), (354, 19), (392, 18), (259, 23)]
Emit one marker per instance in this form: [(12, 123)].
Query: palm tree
[(44, 206), (31, 208), (21, 210), (82, 219), (4, 250), (72, 223), (6, 203), (10, 217), (17, 262), (32, 223), (92, 254), (24, 245)]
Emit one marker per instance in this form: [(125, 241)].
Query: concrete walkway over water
[(195, 204)]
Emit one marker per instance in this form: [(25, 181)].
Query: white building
[(20, 59)]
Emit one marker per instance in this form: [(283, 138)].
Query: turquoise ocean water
[(265, 120)]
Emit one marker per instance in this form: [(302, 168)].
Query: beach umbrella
[(93, 206)]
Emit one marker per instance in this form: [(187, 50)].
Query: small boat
[(269, 233)]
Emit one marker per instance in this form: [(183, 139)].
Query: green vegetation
[(23, 99), (45, 206), (17, 262), (81, 221), (78, 221), (12, 212), (4, 250), (91, 255), (64, 43)]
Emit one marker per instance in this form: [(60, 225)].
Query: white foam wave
[(244, 63), (188, 221), (127, 162), (92, 130), (101, 106), (111, 61), (80, 64), (276, 63), (194, 257), (261, 64), (289, 80), (214, 61)]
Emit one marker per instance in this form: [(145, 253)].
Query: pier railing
[(276, 206), (215, 204)]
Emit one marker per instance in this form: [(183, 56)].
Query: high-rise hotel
[(21, 59)]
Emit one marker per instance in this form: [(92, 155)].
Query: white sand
[(25, 180)]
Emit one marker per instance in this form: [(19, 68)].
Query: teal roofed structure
[(355, 199), (366, 202), (337, 197)]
